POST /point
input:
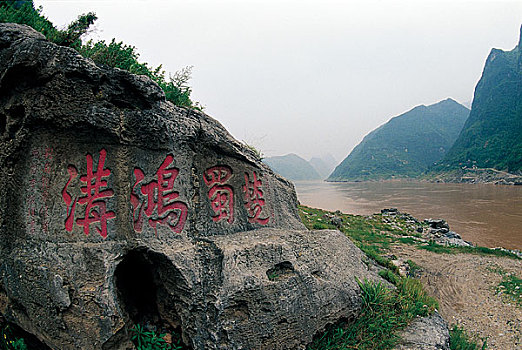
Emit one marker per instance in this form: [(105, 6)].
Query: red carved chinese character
[(253, 199), (94, 192), (160, 205), (220, 194)]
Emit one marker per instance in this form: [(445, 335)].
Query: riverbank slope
[(470, 283)]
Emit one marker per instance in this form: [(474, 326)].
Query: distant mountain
[(292, 167), (492, 135), (323, 165), (406, 146)]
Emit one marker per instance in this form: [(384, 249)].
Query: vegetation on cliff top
[(113, 54)]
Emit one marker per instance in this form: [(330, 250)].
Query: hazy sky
[(309, 77)]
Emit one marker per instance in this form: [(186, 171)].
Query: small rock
[(426, 333), (452, 234), (390, 211), (336, 221)]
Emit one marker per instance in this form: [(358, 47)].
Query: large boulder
[(118, 208)]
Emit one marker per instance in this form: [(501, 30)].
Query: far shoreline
[(465, 175)]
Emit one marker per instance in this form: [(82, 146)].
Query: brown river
[(487, 215)]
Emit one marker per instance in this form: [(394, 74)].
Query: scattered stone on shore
[(517, 252), (439, 232), (334, 220), (436, 230), (436, 223)]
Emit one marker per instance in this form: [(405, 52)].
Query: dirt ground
[(464, 285)]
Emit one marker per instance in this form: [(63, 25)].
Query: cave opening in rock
[(137, 289), (151, 292)]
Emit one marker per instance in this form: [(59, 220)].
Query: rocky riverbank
[(467, 280)]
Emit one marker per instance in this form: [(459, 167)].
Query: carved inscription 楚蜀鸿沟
[(156, 202)]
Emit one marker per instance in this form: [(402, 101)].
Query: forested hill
[(492, 136), (406, 146), (292, 167)]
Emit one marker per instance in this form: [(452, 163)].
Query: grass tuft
[(436, 248), (511, 289), (460, 340)]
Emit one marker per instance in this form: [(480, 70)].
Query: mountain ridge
[(292, 167), (405, 146), (492, 135)]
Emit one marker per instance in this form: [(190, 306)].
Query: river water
[(487, 215)]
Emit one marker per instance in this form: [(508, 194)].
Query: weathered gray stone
[(425, 333), (452, 234), (437, 223), (118, 208)]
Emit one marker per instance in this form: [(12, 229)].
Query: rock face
[(492, 135), (118, 208)]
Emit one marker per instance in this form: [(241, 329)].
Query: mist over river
[(487, 215)]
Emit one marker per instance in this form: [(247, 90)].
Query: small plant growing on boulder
[(148, 340)]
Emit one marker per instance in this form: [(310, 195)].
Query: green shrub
[(374, 253), (319, 226), (12, 11), (389, 276), (259, 155), (24, 12)]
